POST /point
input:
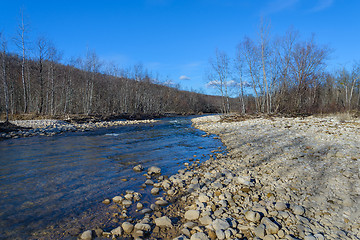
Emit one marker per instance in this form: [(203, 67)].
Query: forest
[(283, 74)]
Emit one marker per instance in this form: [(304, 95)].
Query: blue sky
[(177, 37)]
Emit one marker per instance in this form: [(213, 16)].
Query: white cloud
[(278, 6), (183, 77), (321, 5)]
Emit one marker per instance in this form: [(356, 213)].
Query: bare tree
[(265, 52), (220, 67), (239, 67), (42, 54), (4, 76), (21, 43)]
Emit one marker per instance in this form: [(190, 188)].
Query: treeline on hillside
[(286, 75), (51, 88)]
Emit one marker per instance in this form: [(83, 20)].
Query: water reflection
[(51, 180)]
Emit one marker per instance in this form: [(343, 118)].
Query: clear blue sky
[(176, 37)]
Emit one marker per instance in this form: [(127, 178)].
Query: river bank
[(281, 178), (50, 127)]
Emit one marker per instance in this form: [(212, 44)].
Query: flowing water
[(52, 187)]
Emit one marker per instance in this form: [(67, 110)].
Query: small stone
[(310, 237), (117, 231), (192, 214), (220, 234), (199, 236), (220, 224), (154, 170), (163, 222), (139, 206), (138, 168), (269, 237), (155, 191), (280, 206), (106, 201), (128, 196), (206, 220), (117, 199), (186, 232), (298, 210), (161, 202), (127, 227), (143, 226), (212, 235), (203, 198), (271, 227), (126, 203), (87, 235), (149, 182), (190, 225), (259, 231), (252, 216)]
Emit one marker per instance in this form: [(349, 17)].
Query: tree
[(307, 65), (42, 51), (218, 77), (239, 67), (4, 76), (21, 43)]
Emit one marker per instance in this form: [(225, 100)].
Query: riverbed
[(53, 187)]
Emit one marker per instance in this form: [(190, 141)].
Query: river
[(52, 187)]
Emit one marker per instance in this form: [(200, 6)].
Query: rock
[(269, 237), (149, 182), (219, 224), (155, 191), (252, 216), (117, 231), (271, 227), (161, 202), (98, 232), (220, 234), (163, 222), (280, 206), (259, 231), (298, 210), (190, 225), (146, 210), (192, 214), (154, 170), (139, 206), (143, 226), (117, 199), (199, 236), (87, 235), (128, 196), (203, 198), (126, 203), (106, 201), (138, 168), (310, 237), (127, 227), (206, 220)]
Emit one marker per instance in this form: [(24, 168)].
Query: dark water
[(51, 184)]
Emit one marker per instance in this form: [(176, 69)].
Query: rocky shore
[(281, 178), (50, 127)]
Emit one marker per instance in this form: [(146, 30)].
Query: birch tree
[(4, 75)]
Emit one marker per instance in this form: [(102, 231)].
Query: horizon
[(174, 39)]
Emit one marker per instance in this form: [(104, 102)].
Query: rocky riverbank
[(281, 178), (50, 127)]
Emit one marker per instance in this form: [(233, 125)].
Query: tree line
[(284, 75), (38, 83)]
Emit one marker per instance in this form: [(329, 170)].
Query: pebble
[(127, 227), (87, 235), (155, 191), (163, 222), (253, 216), (192, 215), (199, 236), (154, 170)]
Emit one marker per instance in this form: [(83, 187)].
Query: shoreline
[(51, 127), (265, 186)]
